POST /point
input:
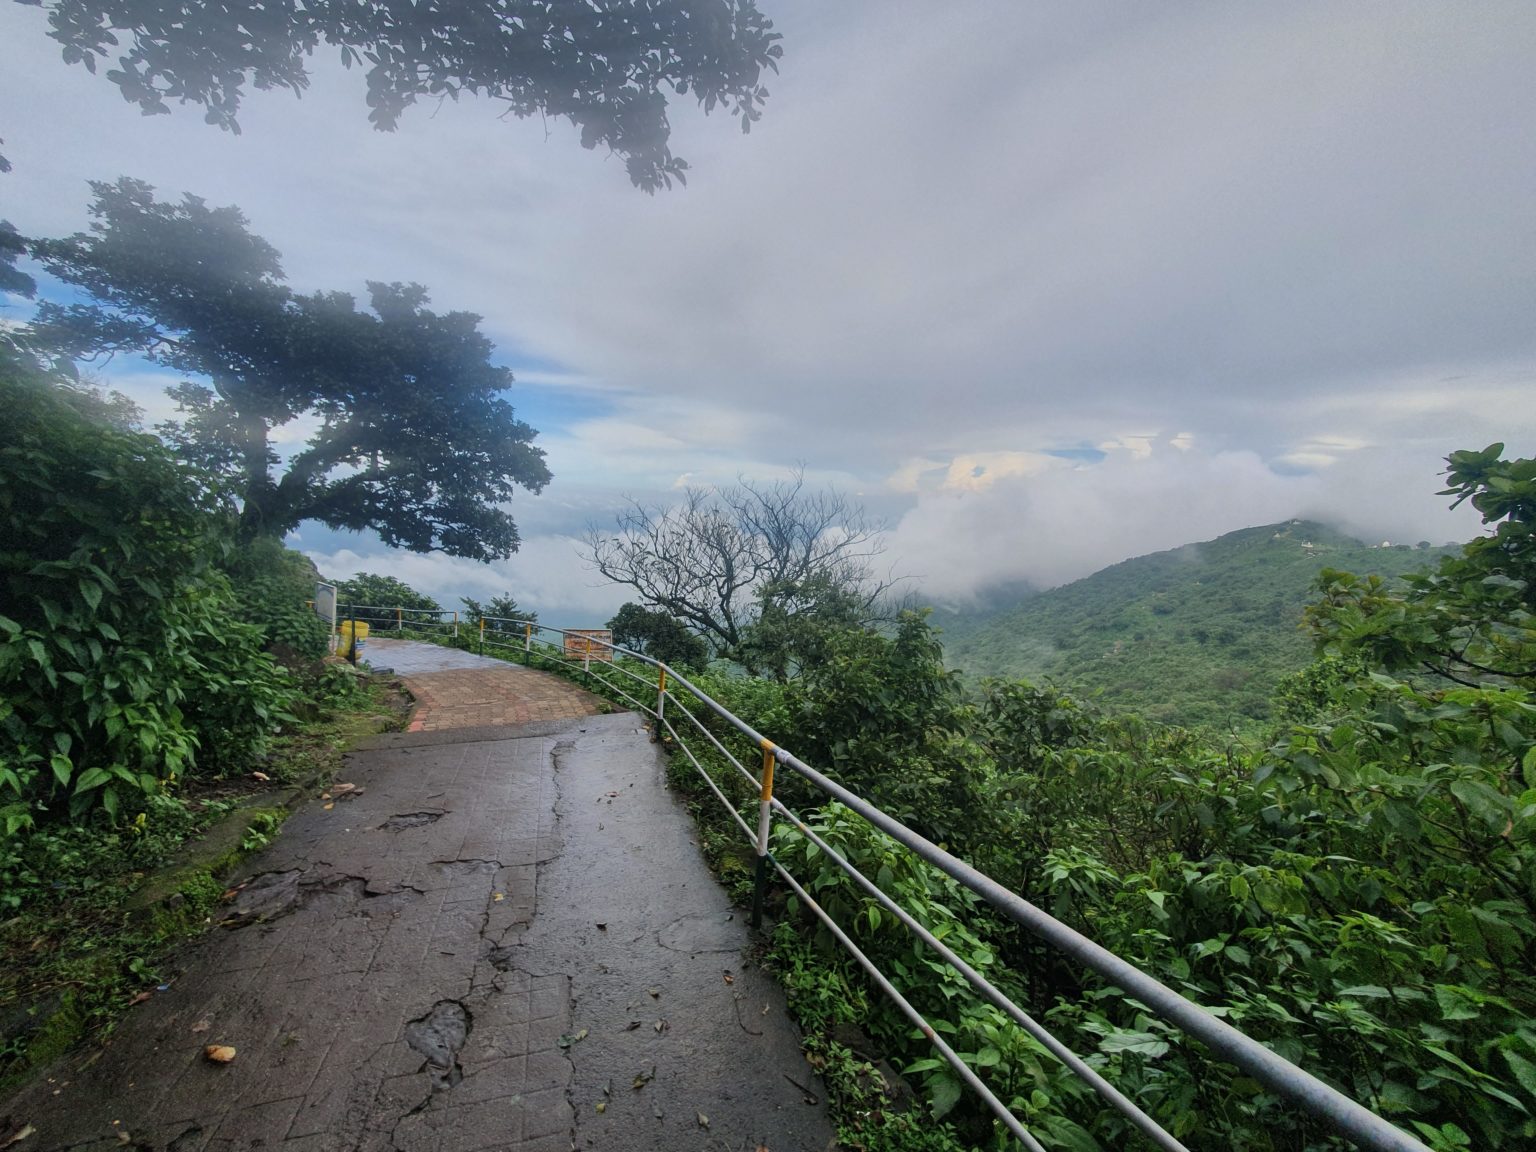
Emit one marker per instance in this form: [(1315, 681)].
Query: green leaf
[(943, 1095), (1524, 1070), (1142, 1043), (92, 777), (1365, 992)]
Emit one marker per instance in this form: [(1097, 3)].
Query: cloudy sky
[(1047, 285)]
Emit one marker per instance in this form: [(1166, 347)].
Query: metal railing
[(659, 683)]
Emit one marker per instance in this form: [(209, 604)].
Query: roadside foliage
[(1356, 890), (125, 662)]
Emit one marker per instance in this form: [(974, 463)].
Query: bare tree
[(719, 557)]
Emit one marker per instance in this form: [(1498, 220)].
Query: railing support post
[(764, 821), (482, 635), (528, 643), (586, 660), (400, 621), (661, 702), (455, 624)]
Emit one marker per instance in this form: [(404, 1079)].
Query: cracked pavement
[(490, 946)]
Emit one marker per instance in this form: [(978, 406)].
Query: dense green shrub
[(123, 664), (373, 598), (274, 587), (1360, 896)]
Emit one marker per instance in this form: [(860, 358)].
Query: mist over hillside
[(1197, 635)]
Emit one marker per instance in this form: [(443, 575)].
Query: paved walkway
[(457, 689), (504, 939)]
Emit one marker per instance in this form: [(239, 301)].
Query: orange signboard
[(589, 643)]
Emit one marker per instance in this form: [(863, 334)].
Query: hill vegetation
[(1355, 893), (1199, 635)]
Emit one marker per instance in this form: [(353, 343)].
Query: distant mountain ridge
[(1197, 635)]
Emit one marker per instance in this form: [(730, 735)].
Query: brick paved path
[(455, 689), (505, 939)]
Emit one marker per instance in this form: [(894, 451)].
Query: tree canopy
[(416, 440), (608, 66)]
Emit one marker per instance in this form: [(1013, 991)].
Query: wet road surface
[(504, 939)]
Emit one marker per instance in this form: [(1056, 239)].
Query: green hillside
[(1196, 635)]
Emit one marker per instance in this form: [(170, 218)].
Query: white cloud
[(1070, 519), (546, 576), (1305, 248)]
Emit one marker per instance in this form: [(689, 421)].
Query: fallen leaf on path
[(729, 979), (661, 1025), (499, 896), (632, 1025), (644, 1078), (19, 1135), (655, 993), (219, 1053), (339, 789), (200, 1026), (262, 776), (325, 795), (602, 1105), (570, 1038), (139, 999), (703, 1120), (602, 927), (328, 807)]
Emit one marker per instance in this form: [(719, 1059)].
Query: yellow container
[(344, 630)]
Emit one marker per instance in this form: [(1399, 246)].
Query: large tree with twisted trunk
[(410, 432)]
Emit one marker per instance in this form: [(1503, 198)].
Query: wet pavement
[(455, 689), (503, 937)]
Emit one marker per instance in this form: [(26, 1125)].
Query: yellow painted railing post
[(661, 701), (586, 658), (764, 822), (482, 635), (527, 642)]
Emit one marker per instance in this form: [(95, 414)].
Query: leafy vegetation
[(416, 439), (138, 699), (124, 662), (1359, 895), (95, 910), (659, 636), (374, 599), (607, 69), (1200, 635)]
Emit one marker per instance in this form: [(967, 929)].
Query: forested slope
[(1195, 635)]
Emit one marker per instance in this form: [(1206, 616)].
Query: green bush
[(123, 665), (274, 587), (380, 596)]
